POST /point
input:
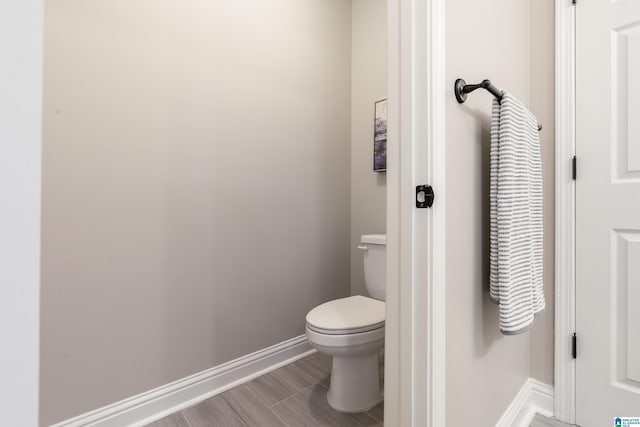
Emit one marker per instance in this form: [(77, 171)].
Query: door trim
[(565, 187), (415, 335), (21, 74)]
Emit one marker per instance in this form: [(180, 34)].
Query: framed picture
[(380, 136)]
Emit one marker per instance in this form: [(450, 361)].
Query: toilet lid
[(347, 315)]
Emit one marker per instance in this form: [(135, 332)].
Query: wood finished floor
[(291, 396), (540, 421)]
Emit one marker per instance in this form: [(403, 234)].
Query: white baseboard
[(533, 398), (154, 404)]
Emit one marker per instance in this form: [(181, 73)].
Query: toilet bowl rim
[(350, 331), (345, 340)]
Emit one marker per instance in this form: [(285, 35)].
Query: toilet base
[(355, 379), (355, 383)]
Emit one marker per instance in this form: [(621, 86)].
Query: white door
[(607, 211)]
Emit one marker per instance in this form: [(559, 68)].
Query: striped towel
[(516, 215)]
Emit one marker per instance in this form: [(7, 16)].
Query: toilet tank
[(374, 248)]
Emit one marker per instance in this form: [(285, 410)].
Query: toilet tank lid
[(374, 239)]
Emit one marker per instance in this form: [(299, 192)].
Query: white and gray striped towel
[(516, 215)]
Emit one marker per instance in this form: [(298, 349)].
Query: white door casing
[(564, 364), (21, 41), (415, 323), (607, 211)]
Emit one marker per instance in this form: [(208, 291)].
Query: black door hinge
[(574, 346), (574, 1), (574, 165), (424, 196)]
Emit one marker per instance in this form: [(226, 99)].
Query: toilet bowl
[(351, 330)]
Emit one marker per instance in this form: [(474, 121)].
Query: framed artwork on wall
[(380, 136)]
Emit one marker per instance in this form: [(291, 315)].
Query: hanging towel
[(515, 215)]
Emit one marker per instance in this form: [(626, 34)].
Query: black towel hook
[(461, 89)]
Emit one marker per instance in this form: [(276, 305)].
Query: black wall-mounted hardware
[(461, 89), (424, 196)]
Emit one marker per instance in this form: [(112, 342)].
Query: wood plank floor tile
[(291, 396), (272, 388), (173, 420), (377, 412), (317, 365), (296, 412), (537, 423), (317, 400), (310, 408), (213, 412), (250, 408), (541, 421), (295, 376)]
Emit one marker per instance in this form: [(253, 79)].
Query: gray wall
[(196, 186), (487, 39), (542, 104), (369, 84)]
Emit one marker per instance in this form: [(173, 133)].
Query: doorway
[(598, 205)]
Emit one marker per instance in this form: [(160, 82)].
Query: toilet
[(351, 330)]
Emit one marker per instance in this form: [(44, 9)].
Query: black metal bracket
[(424, 196), (461, 89), (574, 346)]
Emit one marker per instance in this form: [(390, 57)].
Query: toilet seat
[(344, 316), (352, 341), (344, 331)]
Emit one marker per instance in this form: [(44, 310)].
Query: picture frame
[(380, 136)]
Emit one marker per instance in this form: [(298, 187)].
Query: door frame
[(22, 26), (565, 211), (415, 349), (415, 324)]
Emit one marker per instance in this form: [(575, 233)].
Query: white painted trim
[(21, 45), (533, 398), (435, 314), (565, 297), (152, 405), (542, 398), (394, 315), (415, 342), (517, 412)]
